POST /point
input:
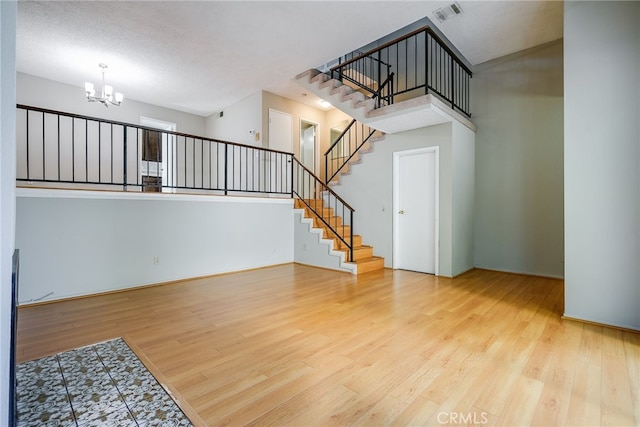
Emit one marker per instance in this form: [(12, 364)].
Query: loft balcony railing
[(66, 150), (415, 64), (63, 150)]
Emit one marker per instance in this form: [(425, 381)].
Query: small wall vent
[(447, 12)]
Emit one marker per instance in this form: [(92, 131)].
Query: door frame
[(396, 201), (316, 143), (167, 141)]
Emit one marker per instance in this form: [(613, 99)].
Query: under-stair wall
[(311, 248)]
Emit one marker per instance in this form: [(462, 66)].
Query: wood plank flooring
[(300, 346)]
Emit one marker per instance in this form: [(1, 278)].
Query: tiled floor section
[(104, 384)]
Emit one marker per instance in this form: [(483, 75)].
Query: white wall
[(517, 105), (369, 190), (7, 191), (602, 162), (43, 93), (237, 120), (78, 243)]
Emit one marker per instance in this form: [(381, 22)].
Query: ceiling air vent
[(447, 12)]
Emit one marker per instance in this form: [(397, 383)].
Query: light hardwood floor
[(299, 346)]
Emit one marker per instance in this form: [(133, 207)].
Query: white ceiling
[(202, 56)]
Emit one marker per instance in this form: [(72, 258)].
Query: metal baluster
[(58, 118), (44, 175), (99, 152), (124, 157), (111, 155), (86, 150)]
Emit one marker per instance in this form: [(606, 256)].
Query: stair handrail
[(330, 173), (319, 211), (359, 52)]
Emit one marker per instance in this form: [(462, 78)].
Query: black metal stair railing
[(66, 150), (415, 64), (346, 145), (330, 209)]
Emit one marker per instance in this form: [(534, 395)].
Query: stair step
[(312, 202), (334, 221), (339, 244), (343, 91), (319, 78), (308, 75), (330, 84), (343, 231), (324, 212), (367, 265), (359, 252)]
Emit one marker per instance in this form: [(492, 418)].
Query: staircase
[(363, 259), (348, 99), (356, 139), (346, 151)]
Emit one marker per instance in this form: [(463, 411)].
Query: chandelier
[(107, 97)]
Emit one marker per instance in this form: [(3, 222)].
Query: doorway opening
[(157, 156), (308, 144)]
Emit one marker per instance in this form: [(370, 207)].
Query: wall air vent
[(447, 12)]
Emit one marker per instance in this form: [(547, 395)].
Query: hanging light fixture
[(107, 97)]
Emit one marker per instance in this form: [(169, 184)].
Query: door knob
[(401, 212)]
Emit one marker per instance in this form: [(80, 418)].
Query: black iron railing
[(328, 207), (412, 65), (345, 147), (57, 148), (65, 150)]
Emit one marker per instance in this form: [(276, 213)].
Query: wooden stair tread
[(366, 265), (369, 259)]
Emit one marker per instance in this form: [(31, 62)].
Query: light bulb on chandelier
[(107, 96)]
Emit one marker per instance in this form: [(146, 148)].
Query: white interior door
[(416, 210), (281, 139), (280, 131)]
